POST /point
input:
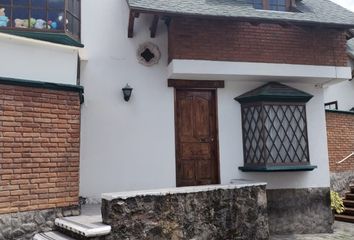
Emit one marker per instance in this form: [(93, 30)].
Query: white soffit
[(241, 71)]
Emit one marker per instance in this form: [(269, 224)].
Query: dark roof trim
[(340, 111), (58, 38), (274, 92), (38, 84), (244, 19)]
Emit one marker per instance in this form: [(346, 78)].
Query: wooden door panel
[(187, 170), (204, 171), (195, 151), (202, 117), (196, 138), (186, 111)]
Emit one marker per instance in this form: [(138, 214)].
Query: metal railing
[(346, 158)]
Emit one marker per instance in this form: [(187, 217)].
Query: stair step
[(51, 236), (352, 188), (349, 196), (348, 203), (344, 218), (349, 211), (86, 226)]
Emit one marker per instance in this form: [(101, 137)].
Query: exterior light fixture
[(127, 92)]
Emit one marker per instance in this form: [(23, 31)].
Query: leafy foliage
[(337, 202)]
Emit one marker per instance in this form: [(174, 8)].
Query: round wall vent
[(148, 54)]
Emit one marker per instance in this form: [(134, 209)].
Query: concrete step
[(348, 203), (352, 188), (344, 218), (84, 225), (349, 196), (51, 236), (349, 211)]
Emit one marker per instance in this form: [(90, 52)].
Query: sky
[(345, 3)]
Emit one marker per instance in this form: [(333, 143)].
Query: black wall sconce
[(127, 92)]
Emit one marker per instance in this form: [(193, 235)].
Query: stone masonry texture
[(219, 214), (340, 181), (227, 40), (24, 225), (299, 211), (39, 149)]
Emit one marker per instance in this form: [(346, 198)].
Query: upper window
[(275, 5), (41, 16)]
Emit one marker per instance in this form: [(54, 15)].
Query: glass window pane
[(56, 19), (57, 4), (39, 16), (282, 8), (70, 25), (74, 7), (5, 2), (21, 3), (258, 6), (4, 20), (21, 17), (76, 28), (39, 3)]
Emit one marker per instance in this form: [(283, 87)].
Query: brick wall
[(235, 41), (340, 134), (39, 148)]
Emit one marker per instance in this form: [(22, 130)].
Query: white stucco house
[(220, 91)]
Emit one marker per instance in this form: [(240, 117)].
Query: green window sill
[(278, 168)]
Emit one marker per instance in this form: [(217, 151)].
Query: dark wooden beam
[(154, 25), (132, 16), (196, 84)]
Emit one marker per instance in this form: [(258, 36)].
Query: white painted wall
[(124, 146), (131, 146), (342, 92), (37, 61)]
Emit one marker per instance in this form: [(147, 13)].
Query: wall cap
[(180, 190)]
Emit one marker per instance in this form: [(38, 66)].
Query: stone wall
[(299, 211), (24, 225), (340, 181), (205, 39), (223, 212)]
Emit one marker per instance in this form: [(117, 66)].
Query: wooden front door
[(196, 138)]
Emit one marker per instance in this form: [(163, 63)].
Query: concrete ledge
[(165, 191), (248, 71), (87, 226)]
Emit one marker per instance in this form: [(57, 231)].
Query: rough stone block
[(233, 213)]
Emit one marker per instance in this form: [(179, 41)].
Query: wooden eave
[(134, 13)]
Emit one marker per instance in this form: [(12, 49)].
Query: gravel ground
[(342, 231)]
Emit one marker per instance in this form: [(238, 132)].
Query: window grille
[(274, 127)]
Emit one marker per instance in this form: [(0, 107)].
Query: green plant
[(337, 202)]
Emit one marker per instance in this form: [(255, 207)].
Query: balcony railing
[(41, 18)]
